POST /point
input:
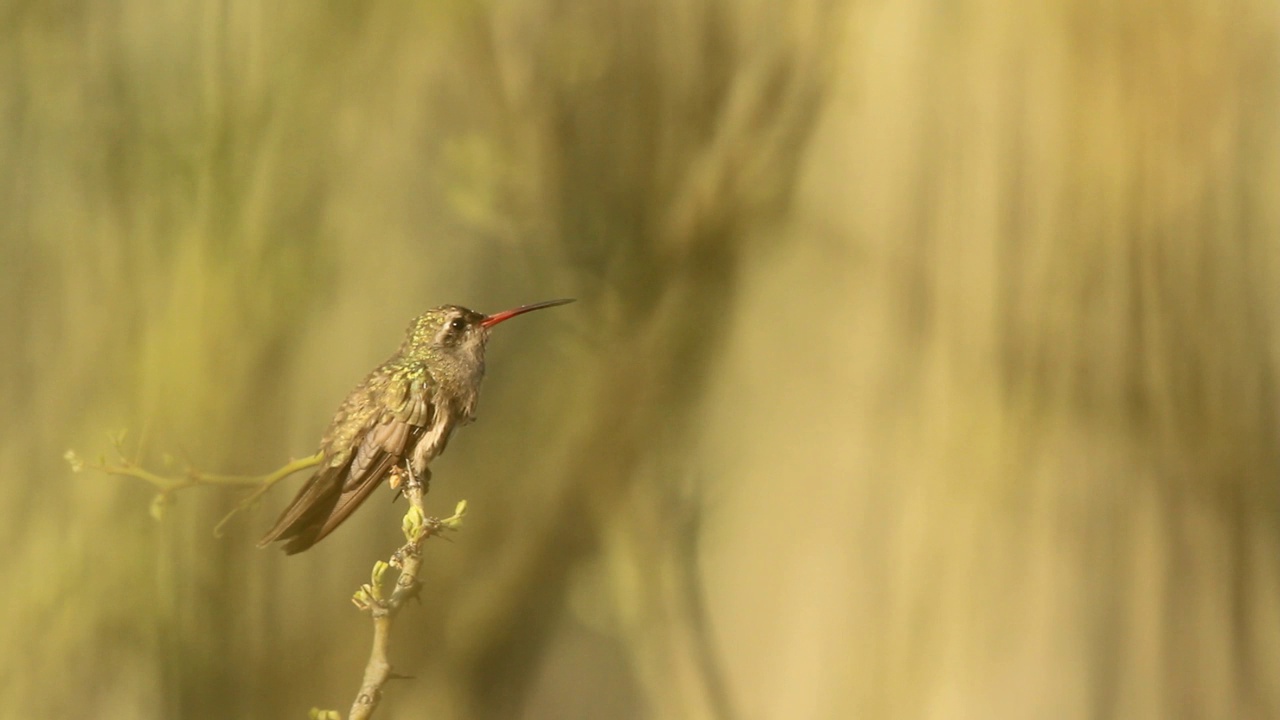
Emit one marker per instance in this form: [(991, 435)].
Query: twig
[(166, 485), (407, 560)]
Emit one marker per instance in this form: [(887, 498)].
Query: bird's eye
[(457, 324)]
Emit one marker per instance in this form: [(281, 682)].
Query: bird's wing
[(334, 492)]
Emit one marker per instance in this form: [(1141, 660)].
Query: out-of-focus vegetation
[(925, 363)]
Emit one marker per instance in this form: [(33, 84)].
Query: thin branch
[(407, 560), (166, 485)]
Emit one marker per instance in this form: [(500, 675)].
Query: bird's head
[(457, 333)]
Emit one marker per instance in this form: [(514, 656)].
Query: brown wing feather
[(333, 493), (352, 495), (312, 503)]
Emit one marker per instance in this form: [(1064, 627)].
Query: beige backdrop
[(925, 363)]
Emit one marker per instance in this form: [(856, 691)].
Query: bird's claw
[(412, 477)]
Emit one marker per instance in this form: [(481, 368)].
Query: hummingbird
[(400, 416)]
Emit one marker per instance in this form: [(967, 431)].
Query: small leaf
[(159, 504), (73, 460), (379, 569), (412, 524), (459, 512)]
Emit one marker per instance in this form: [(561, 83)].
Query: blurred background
[(924, 363)]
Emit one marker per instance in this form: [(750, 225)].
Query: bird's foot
[(417, 479)]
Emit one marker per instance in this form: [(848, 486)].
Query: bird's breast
[(433, 440)]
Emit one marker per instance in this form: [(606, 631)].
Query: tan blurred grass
[(936, 343)]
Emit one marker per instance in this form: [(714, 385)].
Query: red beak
[(496, 318)]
